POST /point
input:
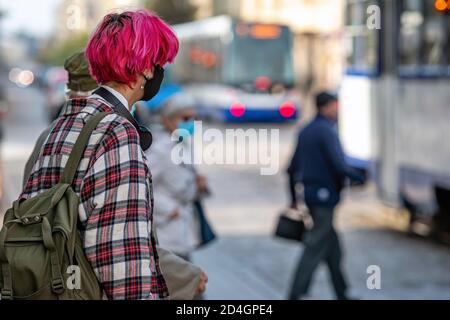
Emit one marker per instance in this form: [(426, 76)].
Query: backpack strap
[(6, 292), (78, 149)]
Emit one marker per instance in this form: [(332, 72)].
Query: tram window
[(411, 21), (448, 44), (423, 39), (361, 47), (434, 37)]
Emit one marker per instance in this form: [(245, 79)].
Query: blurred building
[(303, 16), (205, 8), (82, 15)]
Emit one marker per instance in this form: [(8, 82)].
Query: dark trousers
[(321, 244)]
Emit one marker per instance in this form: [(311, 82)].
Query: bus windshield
[(256, 57)]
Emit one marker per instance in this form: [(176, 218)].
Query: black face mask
[(153, 85)]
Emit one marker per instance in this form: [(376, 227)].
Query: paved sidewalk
[(261, 267)]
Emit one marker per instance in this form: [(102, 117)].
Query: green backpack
[(41, 252)]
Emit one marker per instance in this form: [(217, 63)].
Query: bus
[(395, 104), (237, 72)]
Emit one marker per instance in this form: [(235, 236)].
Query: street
[(247, 262)]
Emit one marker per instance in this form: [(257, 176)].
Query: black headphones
[(145, 136)]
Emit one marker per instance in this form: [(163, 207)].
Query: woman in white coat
[(175, 186)]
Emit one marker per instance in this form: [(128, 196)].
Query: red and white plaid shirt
[(113, 182)]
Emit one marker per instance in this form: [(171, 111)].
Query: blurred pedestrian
[(319, 164), (176, 186), (126, 54), (79, 85)]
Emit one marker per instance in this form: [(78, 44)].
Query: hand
[(174, 215), (202, 183), (3, 112), (202, 284), (359, 178), (362, 179), (366, 176)]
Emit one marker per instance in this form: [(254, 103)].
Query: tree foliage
[(57, 53), (173, 11)]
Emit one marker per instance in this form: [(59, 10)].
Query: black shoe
[(296, 297), (345, 298)]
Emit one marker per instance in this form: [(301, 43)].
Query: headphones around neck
[(145, 136)]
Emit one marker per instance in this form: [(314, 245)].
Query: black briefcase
[(290, 228)]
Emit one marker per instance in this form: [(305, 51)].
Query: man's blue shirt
[(319, 163)]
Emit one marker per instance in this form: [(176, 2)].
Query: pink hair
[(124, 45)]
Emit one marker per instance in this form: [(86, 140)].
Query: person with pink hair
[(126, 54), (128, 50)]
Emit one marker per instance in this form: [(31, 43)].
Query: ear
[(149, 72)]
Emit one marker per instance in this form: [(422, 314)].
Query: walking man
[(319, 163)]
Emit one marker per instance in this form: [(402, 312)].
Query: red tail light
[(237, 109), (263, 83), (287, 109)]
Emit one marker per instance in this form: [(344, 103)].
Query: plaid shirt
[(113, 182)]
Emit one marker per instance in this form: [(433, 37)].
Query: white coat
[(174, 188)]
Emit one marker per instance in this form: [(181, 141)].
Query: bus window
[(204, 57), (263, 53), (181, 68), (361, 43), (423, 39), (199, 60)]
